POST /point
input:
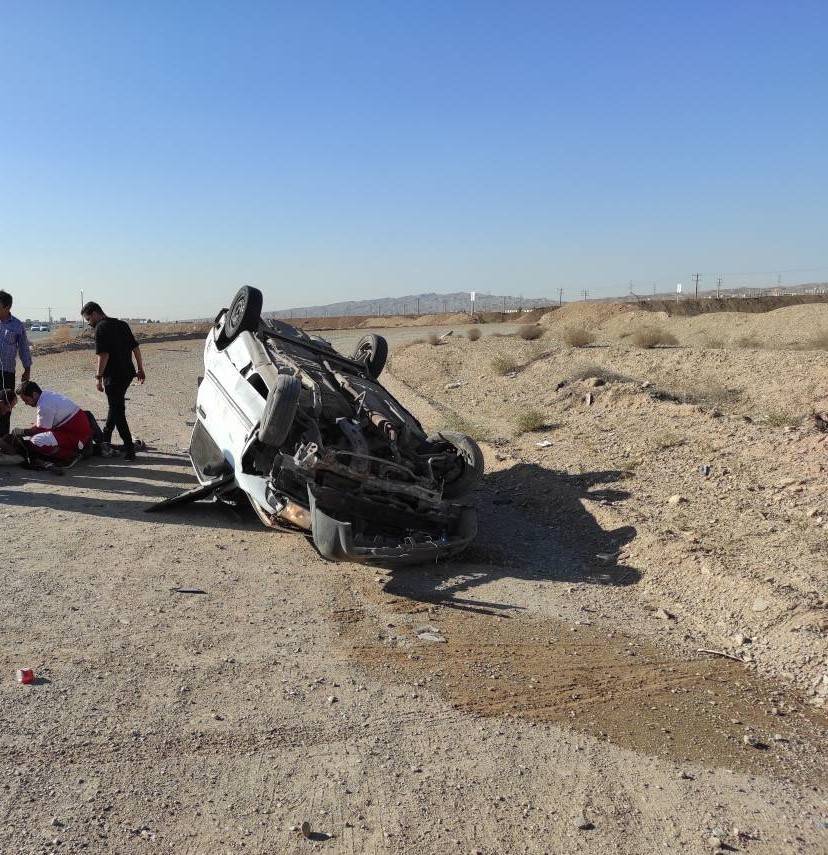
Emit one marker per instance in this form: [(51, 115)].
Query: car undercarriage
[(316, 443)]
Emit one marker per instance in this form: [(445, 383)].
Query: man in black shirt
[(115, 346)]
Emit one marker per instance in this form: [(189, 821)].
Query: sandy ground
[(560, 715)]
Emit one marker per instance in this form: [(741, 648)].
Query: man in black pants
[(13, 342), (115, 346)]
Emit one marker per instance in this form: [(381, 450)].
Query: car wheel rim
[(238, 311)]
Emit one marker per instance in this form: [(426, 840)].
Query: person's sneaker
[(107, 450), (129, 454)]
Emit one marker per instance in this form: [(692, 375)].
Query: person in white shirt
[(61, 430)]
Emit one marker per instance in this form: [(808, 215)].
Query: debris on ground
[(25, 676)]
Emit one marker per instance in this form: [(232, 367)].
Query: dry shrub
[(819, 341), (780, 418), (473, 334), (749, 341), (536, 350), (649, 337), (712, 342), (578, 337), (530, 332), (503, 365), (61, 335), (530, 420), (709, 393), (665, 440), (601, 374), (410, 343), (433, 339), (455, 422)]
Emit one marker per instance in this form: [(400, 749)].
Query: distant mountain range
[(415, 304), (459, 301)]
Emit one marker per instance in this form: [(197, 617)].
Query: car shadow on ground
[(533, 525), (124, 491)]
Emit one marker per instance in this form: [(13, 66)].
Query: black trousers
[(116, 417), (6, 382)]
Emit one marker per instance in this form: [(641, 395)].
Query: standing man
[(115, 346), (13, 341)]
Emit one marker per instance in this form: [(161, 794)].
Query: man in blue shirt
[(13, 341)]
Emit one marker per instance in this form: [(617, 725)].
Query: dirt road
[(284, 689)]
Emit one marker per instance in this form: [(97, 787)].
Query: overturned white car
[(316, 443)]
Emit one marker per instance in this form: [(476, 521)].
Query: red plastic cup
[(25, 676)]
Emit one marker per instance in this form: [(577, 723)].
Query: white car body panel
[(228, 405)]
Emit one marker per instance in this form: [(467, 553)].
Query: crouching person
[(61, 431)]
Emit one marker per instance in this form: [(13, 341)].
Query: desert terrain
[(207, 686)]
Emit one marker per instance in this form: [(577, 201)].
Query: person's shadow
[(532, 525), (122, 490)]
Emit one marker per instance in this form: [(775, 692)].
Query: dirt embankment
[(63, 339), (742, 305), (697, 472), (793, 327)]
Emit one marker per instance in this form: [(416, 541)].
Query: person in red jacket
[(61, 430)]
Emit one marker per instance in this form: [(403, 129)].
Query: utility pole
[(560, 296), (418, 306), (696, 278), (584, 293), (82, 303), (718, 287)]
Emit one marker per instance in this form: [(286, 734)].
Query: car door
[(227, 405)]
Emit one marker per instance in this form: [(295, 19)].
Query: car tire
[(244, 314), (372, 352), (470, 460), (280, 410)]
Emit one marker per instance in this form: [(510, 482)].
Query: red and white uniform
[(62, 428)]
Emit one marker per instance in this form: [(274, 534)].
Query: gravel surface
[(560, 713)]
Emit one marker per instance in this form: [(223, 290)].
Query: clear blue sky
[(159, 154)]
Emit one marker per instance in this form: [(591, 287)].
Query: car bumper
[(336, 541)]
